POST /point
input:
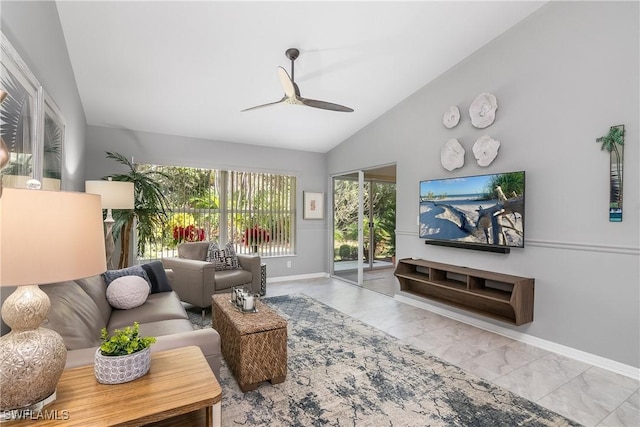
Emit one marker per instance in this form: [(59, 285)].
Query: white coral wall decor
[(485, 150), (451, 117), (483, 110), (452, 155)]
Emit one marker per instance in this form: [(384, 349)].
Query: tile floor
[(584, 393)]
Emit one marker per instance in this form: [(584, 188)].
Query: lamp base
[(27, 412), (109, 244), (31, 358)]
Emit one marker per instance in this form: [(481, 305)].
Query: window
[(255, 211), (261, 212)]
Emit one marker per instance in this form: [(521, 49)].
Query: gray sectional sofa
[(79, 310)]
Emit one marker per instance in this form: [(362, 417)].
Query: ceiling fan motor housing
[(292, 53)]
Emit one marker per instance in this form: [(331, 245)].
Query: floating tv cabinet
[(499, 296)]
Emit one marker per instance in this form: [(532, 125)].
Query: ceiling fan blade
[(264, 105), (325, 105), (286, 82)]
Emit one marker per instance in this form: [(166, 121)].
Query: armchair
[(196, 280)]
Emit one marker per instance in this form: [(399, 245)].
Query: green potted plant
[(150, 210), (123, 356)]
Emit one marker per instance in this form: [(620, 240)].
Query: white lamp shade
[(49, 236), (115, 194)]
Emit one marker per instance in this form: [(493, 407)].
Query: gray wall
[(309, 169), (562, 77), (34, 30)]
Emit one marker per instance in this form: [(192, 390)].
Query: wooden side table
[(179, 382)]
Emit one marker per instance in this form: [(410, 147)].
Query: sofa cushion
[(74, 315), (160, 306), (127, 292), (229, 278), (223, 258), (157, 277), (96, 288), (193, 250), (165, 327), (136, 270)]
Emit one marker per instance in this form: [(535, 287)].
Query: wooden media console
[(499, 296)]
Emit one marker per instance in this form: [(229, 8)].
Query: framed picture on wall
[(313, 205), (53, 127), (18, 116)]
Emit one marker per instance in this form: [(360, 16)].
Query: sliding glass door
[(380, 214), (348, 235), (363, 222)]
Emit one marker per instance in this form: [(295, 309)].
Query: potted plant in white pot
[(123, 356)]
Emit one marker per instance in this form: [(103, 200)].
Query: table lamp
[(45, 237), (115, 195)]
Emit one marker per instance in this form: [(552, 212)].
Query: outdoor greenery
[(383, 204), (193, 195), (123, 341), (252, 210)]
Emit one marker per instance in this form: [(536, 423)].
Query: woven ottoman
[(254, 345)]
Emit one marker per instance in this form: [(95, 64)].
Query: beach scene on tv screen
[(483, 209)]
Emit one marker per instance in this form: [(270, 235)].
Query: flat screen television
[(483, 212)]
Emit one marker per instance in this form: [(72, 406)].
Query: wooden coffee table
[(179, 382)]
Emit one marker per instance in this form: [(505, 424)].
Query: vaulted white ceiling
[(188, 68)]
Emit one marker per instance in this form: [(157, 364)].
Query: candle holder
[(243, 300)]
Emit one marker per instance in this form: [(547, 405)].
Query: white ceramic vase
[(122, 369)]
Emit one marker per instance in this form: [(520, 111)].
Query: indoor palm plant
[(150, 210), (123, 356)]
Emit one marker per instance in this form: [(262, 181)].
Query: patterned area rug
[(196, 319), (342, 372)]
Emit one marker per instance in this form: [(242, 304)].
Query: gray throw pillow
[(157, 277), (136, 270)]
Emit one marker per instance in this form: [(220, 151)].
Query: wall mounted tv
[(483, 212)]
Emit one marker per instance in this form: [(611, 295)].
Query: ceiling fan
[(292, 93)]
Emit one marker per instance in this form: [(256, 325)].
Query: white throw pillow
[(127, 292)]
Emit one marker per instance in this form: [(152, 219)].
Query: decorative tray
[(242, 310)]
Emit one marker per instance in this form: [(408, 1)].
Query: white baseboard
[(320, 275), (582, 356)]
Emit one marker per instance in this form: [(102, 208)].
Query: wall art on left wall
[(52, 143), (31, 125)]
